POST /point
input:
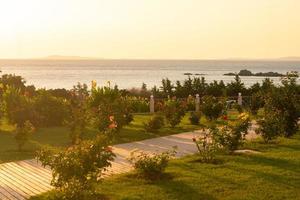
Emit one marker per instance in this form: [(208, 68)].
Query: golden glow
[(191, 29)]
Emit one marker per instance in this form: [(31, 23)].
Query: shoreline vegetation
[(246, 72)]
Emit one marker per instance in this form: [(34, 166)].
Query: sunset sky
[(150, 29)]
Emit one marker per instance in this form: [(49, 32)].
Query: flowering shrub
[(207, 147), (212, 108), (106, 102), (154, 124), (174, 111), (78, 169), (151, 166), (232, 134), (138, 105)]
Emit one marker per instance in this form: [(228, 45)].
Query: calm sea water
[(132, 73)]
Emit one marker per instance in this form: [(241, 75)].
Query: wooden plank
[(3, 192), (33, 174), (35, 169), (15, 184), (12, 192), (27, 178)]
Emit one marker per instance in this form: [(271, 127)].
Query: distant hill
[(290, 58), (59, 57)]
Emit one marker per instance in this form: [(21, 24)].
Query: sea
[(133, 73)]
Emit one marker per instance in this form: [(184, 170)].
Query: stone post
[(152, 104), (240, 99), (197, 103)]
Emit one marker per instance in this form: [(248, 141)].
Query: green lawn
[(272, 175), (59, 136)]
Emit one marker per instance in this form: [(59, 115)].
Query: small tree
[(212, 108), (174, 111), (78, 169), (232, 135), (270, 126), (23, 134)]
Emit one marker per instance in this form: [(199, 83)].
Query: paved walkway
[(22, 179)]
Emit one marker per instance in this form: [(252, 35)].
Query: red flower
[(225, 117)]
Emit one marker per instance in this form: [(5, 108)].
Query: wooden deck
[(22, 179)]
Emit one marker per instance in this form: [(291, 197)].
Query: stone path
[(22, 179)]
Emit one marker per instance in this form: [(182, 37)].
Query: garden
[(71, 131)]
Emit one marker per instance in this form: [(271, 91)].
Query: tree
[(77, 170)]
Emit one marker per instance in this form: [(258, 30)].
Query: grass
[(59, 136), (272, 175)]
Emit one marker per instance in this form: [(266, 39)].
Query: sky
[(150, 29)]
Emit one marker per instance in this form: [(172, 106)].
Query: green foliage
[(109, 108), (18, 108), (23, 133), (174, 111), (207, 148), (284, 100), (50, 110), (195, 118), (212, 108), (256, 102), (235, 87), (78, 119), (78, 169), (232, 134), (154, 124), (138, 105), (270, 126), (151, 166)]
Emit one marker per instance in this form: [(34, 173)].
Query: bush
[(154, 124), (270, 126), (256, 102), (78, 169), (107, 103), (151, 166), (285, 101), (212, 108), (232, 135), (23, 133), (207, 148), (50, 110), (174, 111), (195, 118)]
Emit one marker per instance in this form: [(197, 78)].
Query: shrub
[(174, 111), (256, 102), (195, 118), (207, 148), (154, 124), (212, 108), (23, 133), (270, 126), (50, 110), (107, 103), (78, 169), (285, 102), (232, 135), (151, 166)]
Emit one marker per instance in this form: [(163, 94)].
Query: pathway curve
[(22, 179)]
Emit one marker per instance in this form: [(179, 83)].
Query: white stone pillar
[(240, 99), (152, 104), (197, 103)]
